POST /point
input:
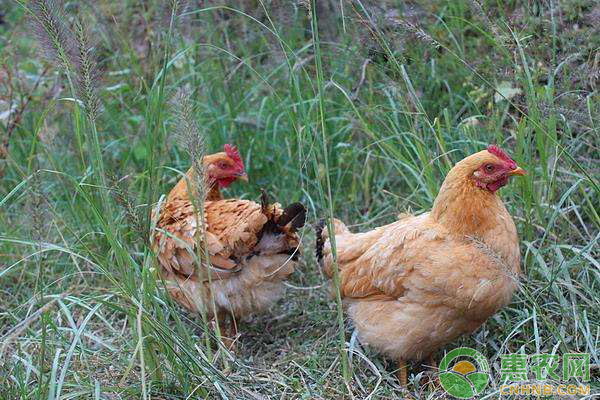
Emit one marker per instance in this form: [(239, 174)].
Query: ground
[(355, 108)]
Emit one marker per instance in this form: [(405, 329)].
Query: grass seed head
[(189, 135)]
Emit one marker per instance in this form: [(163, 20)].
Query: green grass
[(82, 312)]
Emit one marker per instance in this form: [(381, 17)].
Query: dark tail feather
[(272, 236), (320, 242), (264, 200), (294, 214)]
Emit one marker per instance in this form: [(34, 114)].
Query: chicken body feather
[(244, 277), (411, 286)]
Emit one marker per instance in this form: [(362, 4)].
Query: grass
[(360, 119)]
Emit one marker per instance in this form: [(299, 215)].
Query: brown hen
[(418, 283), (239, 258)]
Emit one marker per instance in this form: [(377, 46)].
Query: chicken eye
[(489, 168), (223, 165)]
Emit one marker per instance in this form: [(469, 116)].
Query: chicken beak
[(243, 176), (518, 171)]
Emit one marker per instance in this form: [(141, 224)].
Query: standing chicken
[(418, 283), (251, 247)]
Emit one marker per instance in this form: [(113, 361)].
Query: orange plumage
[(245, 249), (418, 283)]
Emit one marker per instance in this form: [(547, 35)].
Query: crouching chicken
[(419, 283), (231, 260)]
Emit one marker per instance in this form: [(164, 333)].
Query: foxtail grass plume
[(418, 32), (67, 49), (133, 214), (188, 135), (54, 37), (173, 15), (306, 4), (87, 73)]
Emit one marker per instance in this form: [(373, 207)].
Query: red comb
[(498, 152), (232, 152)]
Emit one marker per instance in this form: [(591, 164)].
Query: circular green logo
[(464, 379)]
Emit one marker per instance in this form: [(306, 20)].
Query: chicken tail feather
[(339, 228), (294, 215), (278, 234), (320, 241), (264, 201)]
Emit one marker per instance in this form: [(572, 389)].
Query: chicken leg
[(434, 372), (227, 330), (232, 333), (402, 373), (432, 362)]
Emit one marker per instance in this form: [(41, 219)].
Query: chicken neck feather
[(468, 211)]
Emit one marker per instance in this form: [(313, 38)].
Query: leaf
[(505, 91), (140, 153)]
